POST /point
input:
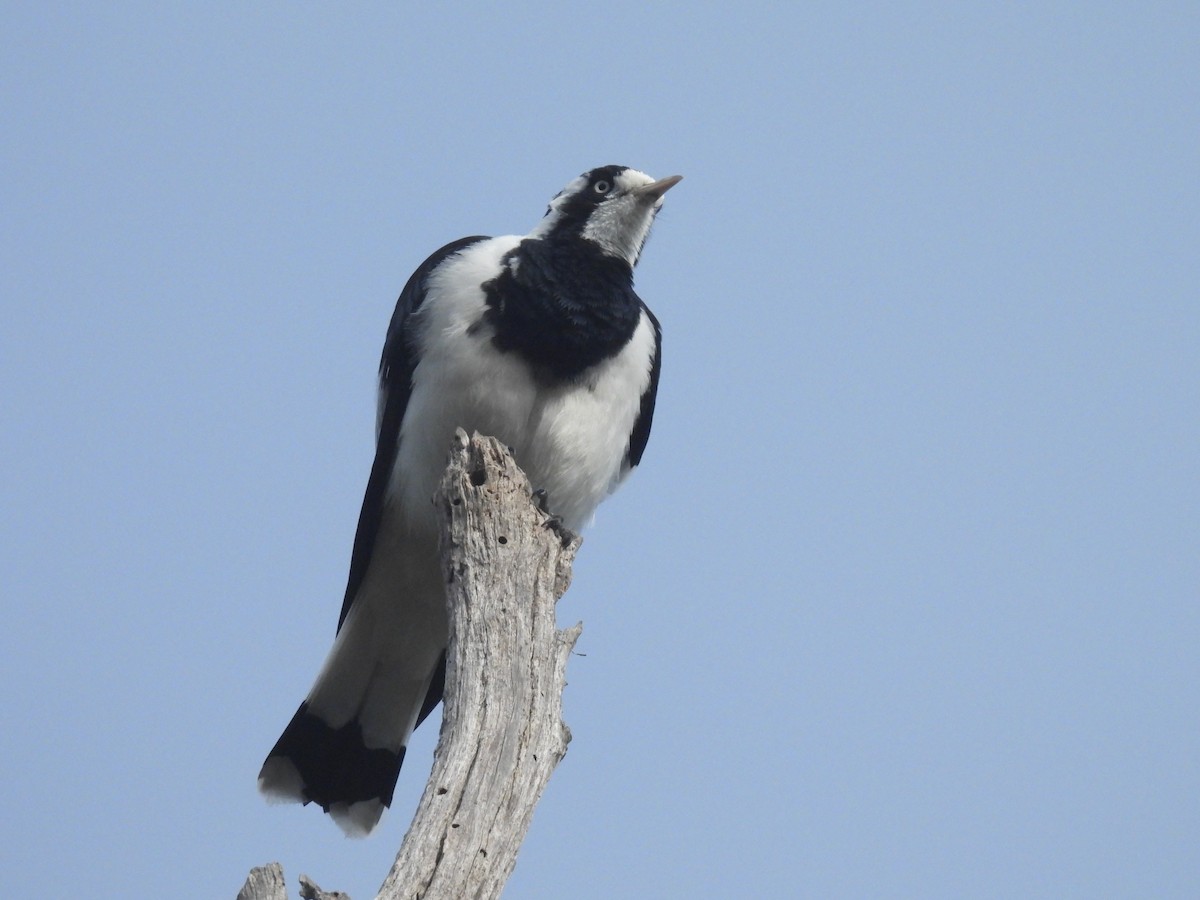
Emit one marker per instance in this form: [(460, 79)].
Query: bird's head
[(612, 206)]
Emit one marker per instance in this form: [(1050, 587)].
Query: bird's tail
[(314, 762), (344, 746)]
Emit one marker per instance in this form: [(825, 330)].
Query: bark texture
[(264, 883), (506, 563)]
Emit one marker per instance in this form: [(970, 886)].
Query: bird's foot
[(553, 522)]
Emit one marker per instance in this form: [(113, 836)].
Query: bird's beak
[(654, 191)]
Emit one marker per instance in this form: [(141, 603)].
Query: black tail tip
[(313, 762)]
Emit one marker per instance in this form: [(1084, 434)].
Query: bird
[(538, 340)]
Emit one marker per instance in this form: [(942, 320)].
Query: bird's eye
[(602, 187)]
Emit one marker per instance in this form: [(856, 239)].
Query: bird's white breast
[(581, 430), (571, 438)]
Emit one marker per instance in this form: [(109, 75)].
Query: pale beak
[(654, 191)]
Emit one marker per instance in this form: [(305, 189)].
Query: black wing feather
[(395, 381), (641, 428)]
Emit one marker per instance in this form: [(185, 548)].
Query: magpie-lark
[(539, 341)]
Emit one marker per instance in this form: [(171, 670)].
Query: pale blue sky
[(905, 598)]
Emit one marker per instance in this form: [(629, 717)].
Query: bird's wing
[(395, 384), (641, 426)]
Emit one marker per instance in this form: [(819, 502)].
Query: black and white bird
[(539, 341)]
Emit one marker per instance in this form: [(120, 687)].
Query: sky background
[(904, 600)]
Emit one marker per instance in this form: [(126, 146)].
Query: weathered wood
[(310, 890), (506, 563), (264, 883)]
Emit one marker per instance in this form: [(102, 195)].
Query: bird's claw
[(542, 499)]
